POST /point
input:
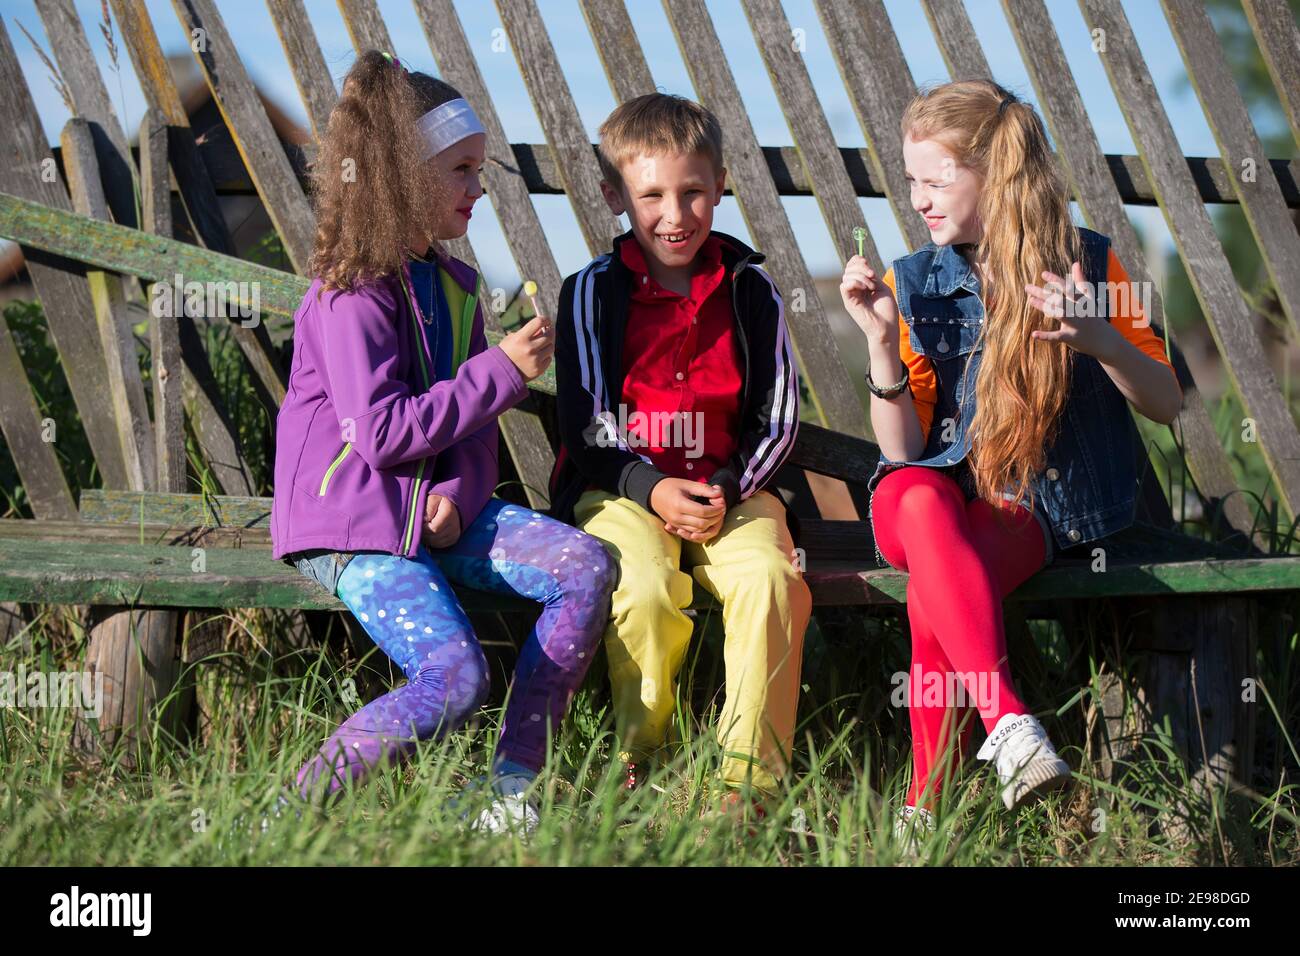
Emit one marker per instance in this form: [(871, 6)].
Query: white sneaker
[(1027, 764), (508, 814), (911, 826), (511, 810)]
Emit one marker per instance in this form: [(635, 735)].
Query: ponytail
[(1024, 212), (371, 187)]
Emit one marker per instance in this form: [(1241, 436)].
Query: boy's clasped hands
[(675, 500)]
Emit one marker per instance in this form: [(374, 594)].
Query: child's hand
[(1082, 330), (673, 499), (532, 347), (441, 523), (869, 302)]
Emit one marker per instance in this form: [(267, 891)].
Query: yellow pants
[(765, 609)]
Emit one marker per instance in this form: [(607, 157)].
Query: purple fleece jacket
[(361, 442)]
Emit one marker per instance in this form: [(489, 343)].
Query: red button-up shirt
[(681, 357)]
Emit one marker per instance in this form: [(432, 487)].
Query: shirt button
[(1073, 534), (690, 466), (1053, 474), (680, 376)]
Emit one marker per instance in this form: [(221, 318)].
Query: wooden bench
[(1193, 600)]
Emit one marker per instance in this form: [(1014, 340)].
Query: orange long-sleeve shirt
[(1127, 316)]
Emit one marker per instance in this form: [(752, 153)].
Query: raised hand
[(869, 302), (1072, 303), (532, 347)]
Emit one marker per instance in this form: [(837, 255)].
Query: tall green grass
[(262, 712)]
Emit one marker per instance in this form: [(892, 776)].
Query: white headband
[(447, 125)]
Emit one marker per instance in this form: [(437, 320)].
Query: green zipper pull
[(324, 482)]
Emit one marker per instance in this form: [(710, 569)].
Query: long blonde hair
[(1024, 211)]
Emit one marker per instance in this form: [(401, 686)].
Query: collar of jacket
[(948, 272), (465, 275), (735, 254)]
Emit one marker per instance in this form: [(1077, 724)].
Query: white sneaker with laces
[(511, 810), (911, 826), (1027, 764)]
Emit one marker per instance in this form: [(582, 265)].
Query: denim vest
[(1088, 486)]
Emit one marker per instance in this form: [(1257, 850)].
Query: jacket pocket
[(329, 472), (311, 517), (943, 337)]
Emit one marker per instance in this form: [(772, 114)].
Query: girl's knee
[(581, 565), (457, 677), (600, 575)]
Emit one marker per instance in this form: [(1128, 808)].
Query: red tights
[(962, 559)]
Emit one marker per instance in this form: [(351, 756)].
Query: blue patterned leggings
[(407, 606)]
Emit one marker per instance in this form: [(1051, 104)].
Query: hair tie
[(1002, 107), (392, 59)]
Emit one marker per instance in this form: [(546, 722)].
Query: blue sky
[(250, 25)]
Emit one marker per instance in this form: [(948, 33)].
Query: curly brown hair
[(371, 186)]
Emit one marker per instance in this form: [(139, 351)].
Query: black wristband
[(893, 391)]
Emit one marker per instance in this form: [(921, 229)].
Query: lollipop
[(530, 290), (859, 236)]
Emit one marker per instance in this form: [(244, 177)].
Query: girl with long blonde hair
[(999, 390)]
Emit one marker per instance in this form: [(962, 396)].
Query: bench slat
[(116, 573)]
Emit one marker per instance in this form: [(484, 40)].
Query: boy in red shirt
[(678, 399)]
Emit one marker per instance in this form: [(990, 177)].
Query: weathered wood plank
[(879, 84), (1093, 184), (137, 253), (125, 385), (616, 45), (306, 62), (92, 103), (524, 435), (245, 116), (20, 420), (549, 92), (834, 395), (70, 531), (365, 25), (1278, 37), (1198, 245), (811, 130), (535, 164), (60, 285), (175, 510), (112, 573), (192, 181), (1261, 199), (152, 517), (164, 334), (958, 44)]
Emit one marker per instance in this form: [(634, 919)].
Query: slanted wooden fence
[(144, 541)]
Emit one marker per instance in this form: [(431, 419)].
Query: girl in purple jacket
[(386, 444)]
